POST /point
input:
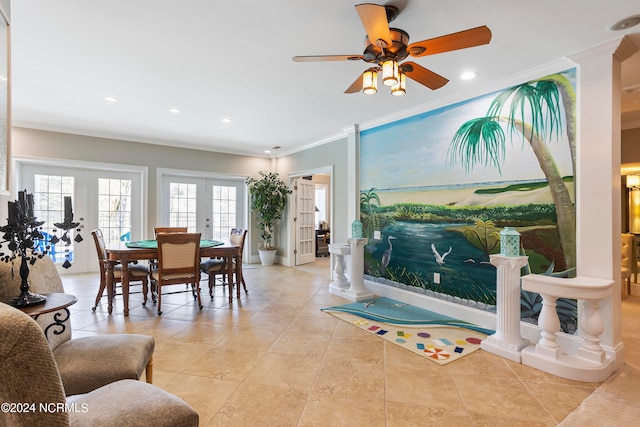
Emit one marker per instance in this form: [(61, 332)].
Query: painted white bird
[(386, 256), (439, 258), (470, 261)]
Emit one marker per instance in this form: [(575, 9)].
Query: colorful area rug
[(439, 338)]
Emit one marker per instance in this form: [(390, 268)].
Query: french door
[(305, 221), (211, 206), (107, 199)]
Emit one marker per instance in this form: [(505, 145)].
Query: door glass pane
[(321, 203), (114, 209), (223, 214), (182, 205), (48, 201)]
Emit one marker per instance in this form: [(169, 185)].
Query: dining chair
[(157, 230), (137, 272), (218, 267), (178, 263)]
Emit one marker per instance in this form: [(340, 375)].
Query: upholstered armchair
[(30, 379), (85, 363)]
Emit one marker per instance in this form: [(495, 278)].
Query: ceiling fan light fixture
[(400, 88), (370, 82), (390, 72)]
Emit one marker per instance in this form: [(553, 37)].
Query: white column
[(356, 291), (598, 175), (507, 341), (340, 282)]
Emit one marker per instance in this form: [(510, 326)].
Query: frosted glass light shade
[(400, 89), (390, 72), (370, 82)]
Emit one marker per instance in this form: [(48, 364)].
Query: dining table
[(125, 252)]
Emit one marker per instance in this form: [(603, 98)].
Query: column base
[(566, 366), (337, 288), (355, 295), (511, 351)]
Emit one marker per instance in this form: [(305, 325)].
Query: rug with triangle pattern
[(434, 336)]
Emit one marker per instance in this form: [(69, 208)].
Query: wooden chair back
[(158, 230), (178, 255)]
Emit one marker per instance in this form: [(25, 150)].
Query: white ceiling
[(213, 59)]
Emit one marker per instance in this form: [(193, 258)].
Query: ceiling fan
[(386, 47)]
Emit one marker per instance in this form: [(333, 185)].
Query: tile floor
[(274, 359)]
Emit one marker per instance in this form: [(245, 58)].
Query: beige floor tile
[(224, 362), (313, 325), (324, 410), (285, 370), (500, 397), (482, 363), (406, 415), (205, 395), (302, 344), (419, 387), (559, 399), (338, 376), (357, 349), (260, 405)]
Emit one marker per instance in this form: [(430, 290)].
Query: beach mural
[(437, 188)]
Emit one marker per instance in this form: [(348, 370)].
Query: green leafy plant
[(268, 198)]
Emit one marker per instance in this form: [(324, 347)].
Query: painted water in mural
[(437, 188)]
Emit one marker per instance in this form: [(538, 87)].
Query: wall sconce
[(633, 182), (370, 81), (390, 72), (400, 88)]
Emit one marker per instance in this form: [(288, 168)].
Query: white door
[(109, 200), (205, 205), (305, 221)]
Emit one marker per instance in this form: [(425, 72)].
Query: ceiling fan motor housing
[(397, 50)]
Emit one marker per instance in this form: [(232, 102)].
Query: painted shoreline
[(468, 197)]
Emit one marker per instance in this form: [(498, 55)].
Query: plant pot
[(267, 256)]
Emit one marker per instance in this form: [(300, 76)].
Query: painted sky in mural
[(413, 152)]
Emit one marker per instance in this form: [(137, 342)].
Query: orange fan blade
[(423, 76), (461, 40), (374, 19), (356, 86), (315, 58)]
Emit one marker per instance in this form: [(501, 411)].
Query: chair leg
[(212, 279), (103, 284), (196, 289), (145, 290), (159, 291), (148, 371)]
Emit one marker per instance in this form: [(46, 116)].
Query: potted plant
[(268, 197)]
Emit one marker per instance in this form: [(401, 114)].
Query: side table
[(55, 302)]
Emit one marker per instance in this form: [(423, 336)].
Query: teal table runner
[(153, 244)]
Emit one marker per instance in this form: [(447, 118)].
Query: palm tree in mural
[(535, 113), (366, 200)]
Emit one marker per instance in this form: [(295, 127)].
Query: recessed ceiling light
[(110, 99), (468, 75), (626, 23), (226, 120), (267, 151), (174, 110)]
